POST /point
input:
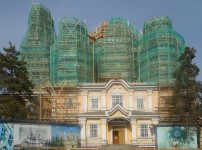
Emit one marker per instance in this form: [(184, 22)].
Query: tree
[(15, 86), (186, 88), (199, 95)]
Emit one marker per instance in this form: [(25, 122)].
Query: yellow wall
[(80, 100), (117, 114), (155, 99), (129, 134), (122, 90), (93, 121), (117, 88), (122, 130)]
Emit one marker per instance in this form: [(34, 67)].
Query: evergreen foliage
[(15, 86), (187, 90)]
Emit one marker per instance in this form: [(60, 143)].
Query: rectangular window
[(140, 103), (93, 130), (53, 103), (117, 99), (94, 103), (70, 102), (143, 131)]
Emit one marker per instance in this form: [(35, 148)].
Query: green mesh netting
[(159, 49), (35, 47), (71, 54)]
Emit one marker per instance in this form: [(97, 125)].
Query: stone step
[(117, 147)]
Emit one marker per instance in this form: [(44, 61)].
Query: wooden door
[(115, 137), (121, 136)]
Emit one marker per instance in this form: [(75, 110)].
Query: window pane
[(93, 130), (140, 103), (117, 99), (70, 102), (94, 103), (144, 131)]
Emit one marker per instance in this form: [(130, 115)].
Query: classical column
[(155, 121), (149, 96), (82, 121), (126, 135), (85, 101), (133, 127), (130, 97), (104, 131), (104, 102)]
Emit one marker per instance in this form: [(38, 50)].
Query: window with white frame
[(143, 130), (53, 103), (94, 103), (70, 102), (93, 130), (140, 103), (117, 99)]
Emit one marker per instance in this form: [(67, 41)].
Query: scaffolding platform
[(59, 104), (71, 54), (158, 51), (35, 47), (114, 44)]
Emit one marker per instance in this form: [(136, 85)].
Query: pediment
[(118, 111), (118, 114), (117, 82)]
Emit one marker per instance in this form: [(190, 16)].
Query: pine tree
[(185, 91), (199, 98), (15, 86)]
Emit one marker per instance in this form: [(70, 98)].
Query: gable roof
[(117, 108), (108, 85)]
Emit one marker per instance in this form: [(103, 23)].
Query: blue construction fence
[(177, 136), (14, 134)]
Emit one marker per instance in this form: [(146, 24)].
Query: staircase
[(117, 147)]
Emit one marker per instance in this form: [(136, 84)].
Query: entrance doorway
[(115, 137), (117, 128), (118, 135)]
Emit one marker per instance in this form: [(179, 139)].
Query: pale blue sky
[(185, 14)]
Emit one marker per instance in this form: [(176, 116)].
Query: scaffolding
[(35, 47), (158, 51), (114, 45), (164, 105), (99, 33), (59, 103), (71, 54)]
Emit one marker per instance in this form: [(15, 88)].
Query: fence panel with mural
[(177, 137), (37, 135)]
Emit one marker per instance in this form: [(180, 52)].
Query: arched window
[(140, 102), (95, 101), (117, 98)]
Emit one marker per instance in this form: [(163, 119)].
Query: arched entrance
[(118, 130)]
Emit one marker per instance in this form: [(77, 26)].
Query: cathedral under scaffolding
[(59, 64)]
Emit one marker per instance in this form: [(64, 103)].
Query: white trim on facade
[(130, 99), (149, 94), (82, 121), (104, 100), (94, 97), (126, 135), (104, 131), (102, 115), (140, 96), (133, 127), (85, 101)]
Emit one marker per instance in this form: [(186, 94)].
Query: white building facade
[(117, 112)]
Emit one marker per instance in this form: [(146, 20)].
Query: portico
[(118, 113)]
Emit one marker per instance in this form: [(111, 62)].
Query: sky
[(185, 14)]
